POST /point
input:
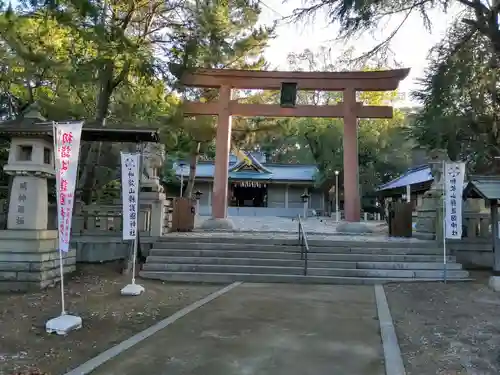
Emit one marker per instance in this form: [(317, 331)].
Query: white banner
[(130, 194), (67, 150), (454, 174)]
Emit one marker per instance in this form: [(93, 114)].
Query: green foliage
[(77, 66), (116, 65), (459, 92), (217, 35), (384, 150), (461, 100)]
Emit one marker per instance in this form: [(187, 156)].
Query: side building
[(416, 180), (259, 188)]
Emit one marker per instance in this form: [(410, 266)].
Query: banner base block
[(63, 324), (494, 283), (132, 290)]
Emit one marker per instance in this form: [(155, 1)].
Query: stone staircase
[(266, 258)]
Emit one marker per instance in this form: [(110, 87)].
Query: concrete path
[(264, 329), (318, 225)]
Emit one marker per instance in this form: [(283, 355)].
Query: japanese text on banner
[(454, 174), (130, 194), (67, 149)]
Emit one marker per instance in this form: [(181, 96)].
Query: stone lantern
[(28, 249), (305, 199), (31, 164), (429, 213)]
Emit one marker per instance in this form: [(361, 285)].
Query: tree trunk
[(192, 169), (91, 157)]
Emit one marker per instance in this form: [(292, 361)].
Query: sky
[(411, 45)]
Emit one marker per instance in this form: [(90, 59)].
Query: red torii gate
[(350, 110)]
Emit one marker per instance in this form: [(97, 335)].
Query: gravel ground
[(108, 318), (447, 329)]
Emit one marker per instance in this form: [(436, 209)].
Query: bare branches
[(357, 17), (385, 44)]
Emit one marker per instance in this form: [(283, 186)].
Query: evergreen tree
[(219, 34), (461, 101)]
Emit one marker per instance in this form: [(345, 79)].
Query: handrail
[(304, 246)]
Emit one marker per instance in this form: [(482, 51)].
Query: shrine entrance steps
[(268, 257)]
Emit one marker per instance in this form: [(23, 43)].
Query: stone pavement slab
[(333, 238), (264, 329), (318, 225)]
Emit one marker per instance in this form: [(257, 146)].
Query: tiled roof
[(278, 172), (486, 187), (256, 163), (412, 176)]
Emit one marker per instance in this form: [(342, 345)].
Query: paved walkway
[(319, 225), (264, 329)]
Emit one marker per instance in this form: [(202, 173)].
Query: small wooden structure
[(289, 82), (400, 219), (488, 188), (183, 214)]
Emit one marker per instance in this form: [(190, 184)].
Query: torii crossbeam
[(350, 110)]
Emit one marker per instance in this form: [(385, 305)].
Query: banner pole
[(134, 289), (61, 268), (136, 239), (134, 254), (65, 322), (444, 224), (54, 140)]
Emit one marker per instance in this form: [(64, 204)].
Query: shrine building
[(259, 188)]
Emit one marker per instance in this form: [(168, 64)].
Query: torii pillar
[(350, 110), (222, 148), (352, 202)]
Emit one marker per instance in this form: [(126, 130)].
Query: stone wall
[(100, 249), (29, 260), (472, 253)]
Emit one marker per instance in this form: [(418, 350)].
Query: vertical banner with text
[(67, 139), (130, 194), (454, 174)]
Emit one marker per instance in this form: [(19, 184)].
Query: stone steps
[(223, 259), (346, 257), (260, 238), (293, 248), (223, 278), (271, 262), (277, 270)]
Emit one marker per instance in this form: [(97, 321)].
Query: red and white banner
[(67, 139)]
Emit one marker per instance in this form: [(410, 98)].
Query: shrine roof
[(272, 172), (32, 124), (412, 176), (29, 122), (485, 187), (256, 166)]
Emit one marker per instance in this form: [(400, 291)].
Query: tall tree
[(218, 34), (50, 62), (116, 43), (461, 101)]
